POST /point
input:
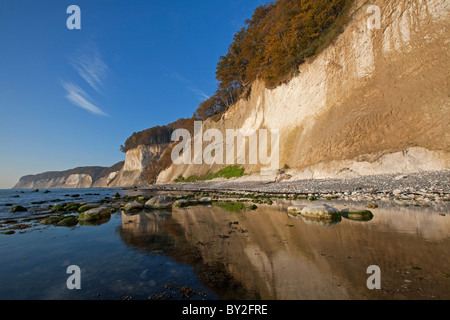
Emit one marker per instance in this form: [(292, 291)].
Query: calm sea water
[(33, 200), (220, 254)]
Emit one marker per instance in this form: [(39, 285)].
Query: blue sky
[(70, 98)]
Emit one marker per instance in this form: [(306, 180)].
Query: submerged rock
[(51, 220), (17, 209), (68, 222), (159, 202), (372, 205), (358, 215)]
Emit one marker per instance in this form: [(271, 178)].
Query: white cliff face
[(72, 181), (79, 181), (375, 101), (85, 177), (135, 164)]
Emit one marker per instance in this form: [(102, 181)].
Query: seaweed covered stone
[(17, 209), (95, 214), (68, 222), (87, 207), (51, 220)]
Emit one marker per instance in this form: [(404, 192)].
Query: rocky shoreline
[(423, 187)]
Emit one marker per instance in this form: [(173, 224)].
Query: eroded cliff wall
[(84, 177), (374, 102), (136, 162)]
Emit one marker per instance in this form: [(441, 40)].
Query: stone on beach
[(159, 202), (181, 203), (133, 206), (358, 215), (95, 214), (87, 207), (205, 200), (294, 211), (320, 211), (68, 222)]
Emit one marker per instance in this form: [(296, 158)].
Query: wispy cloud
[(190, 85), (91, 67), (81, 99)]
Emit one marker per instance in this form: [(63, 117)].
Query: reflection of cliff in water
[(143, 232), (156, 232), (274, 256)]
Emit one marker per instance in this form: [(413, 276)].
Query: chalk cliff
[(137, 161), (84, 177), (375, 101)]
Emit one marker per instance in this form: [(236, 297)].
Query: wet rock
[(320, 211), (182, 203), (68, 222), (205, 200), (51, 221), (294, 211), (358, 215), (60, 208), (87, 207), (95, 214), (159, 202), (17, 209), (133, 206), (142, 199), (72, 207)]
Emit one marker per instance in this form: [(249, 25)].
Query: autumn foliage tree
[(278, 37)]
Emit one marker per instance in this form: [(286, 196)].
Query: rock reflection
[(95, 223), (322, 222), (265, 254)]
